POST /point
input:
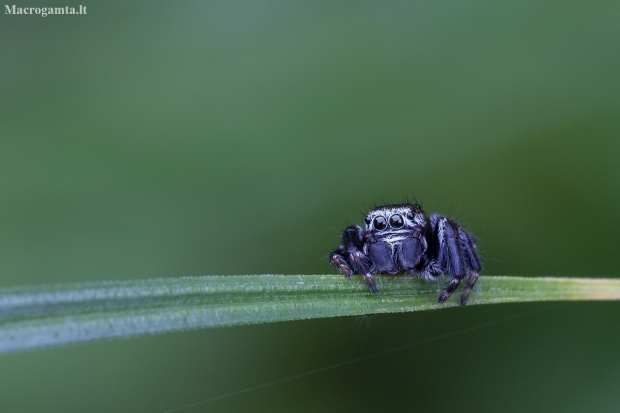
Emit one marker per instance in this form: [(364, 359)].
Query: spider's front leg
[(456, 254), (350, 259)]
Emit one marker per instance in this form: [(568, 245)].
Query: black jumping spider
[(402, 239)]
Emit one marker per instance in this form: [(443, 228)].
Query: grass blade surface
[(32, 317)]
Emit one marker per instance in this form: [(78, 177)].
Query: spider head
[(393, 218)]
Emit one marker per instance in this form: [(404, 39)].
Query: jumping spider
[(402, 239)]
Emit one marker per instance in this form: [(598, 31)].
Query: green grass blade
[(32, 317)]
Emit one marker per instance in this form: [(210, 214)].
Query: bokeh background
[(167, 139)]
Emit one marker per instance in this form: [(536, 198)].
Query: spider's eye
[(367, 221), (396, 221), (380, 223)]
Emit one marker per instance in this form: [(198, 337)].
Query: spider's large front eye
[(380, 223), (396, 221)]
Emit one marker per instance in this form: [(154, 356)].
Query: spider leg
[(468, 244), (450, 255), (350, 259), (337, 259)]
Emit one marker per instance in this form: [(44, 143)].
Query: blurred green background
[(163, 139)]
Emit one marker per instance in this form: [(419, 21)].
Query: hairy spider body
[(402, 239)]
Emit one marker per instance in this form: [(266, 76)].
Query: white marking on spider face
[(393, 241)]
